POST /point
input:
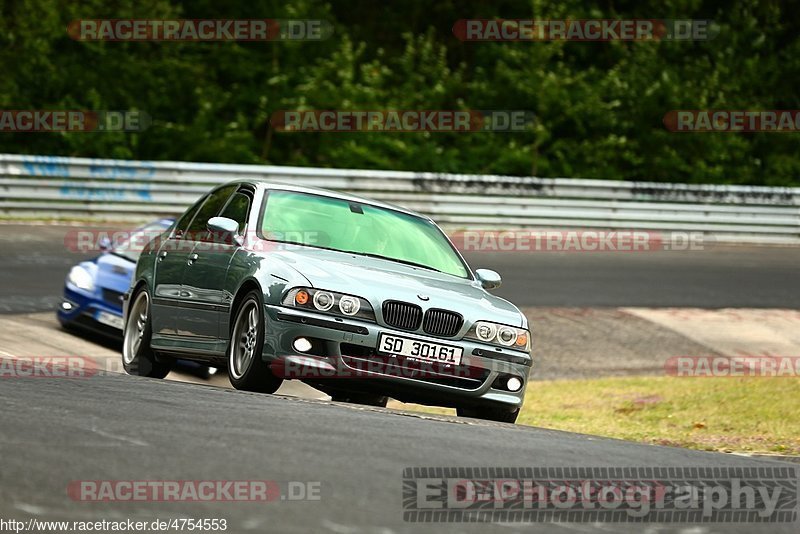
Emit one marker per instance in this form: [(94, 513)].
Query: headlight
[(500, 334), (486, 331), (507, 336), (329, 302), (323, 301), (349, 305), (80, 277)]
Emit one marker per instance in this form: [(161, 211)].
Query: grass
[(714, 414), (752, 415)]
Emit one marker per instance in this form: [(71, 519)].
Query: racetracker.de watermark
[(601, 494), (377, 366), (50, 367), (85, 241), (729, 120), (40, 120), (199, 30), (408, 120), (97, 240), (193, 490), (585, 30), (577, 241), (764, 366), (183, 524)]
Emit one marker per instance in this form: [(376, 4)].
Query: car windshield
[(348, 226), (132, 246)]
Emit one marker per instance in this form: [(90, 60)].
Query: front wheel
[(137, 356), (246, 370), (489, 413)]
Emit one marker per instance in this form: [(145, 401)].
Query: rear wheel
[(489, 413), (246, 370), (137, 356)]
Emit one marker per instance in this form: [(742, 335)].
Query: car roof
[(269, 185)]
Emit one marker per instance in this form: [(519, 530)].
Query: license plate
[(110, 319), (419, 350)]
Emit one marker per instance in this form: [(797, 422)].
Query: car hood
[(377, 280), (114, 272)]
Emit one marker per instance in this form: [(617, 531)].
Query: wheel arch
[(248, 285), (139, 284), (135, 288)]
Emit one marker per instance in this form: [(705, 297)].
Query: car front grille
[(402, 315), (112, 297), (442, 323)]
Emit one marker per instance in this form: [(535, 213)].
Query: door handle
[(192, 258), (162, 255)]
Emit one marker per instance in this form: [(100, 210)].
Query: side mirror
[(488, 278), (224, 230)]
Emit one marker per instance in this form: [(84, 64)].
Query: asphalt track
[(34, 262), (117, 427)]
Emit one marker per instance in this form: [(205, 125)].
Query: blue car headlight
[(81, 278), (329, 302)]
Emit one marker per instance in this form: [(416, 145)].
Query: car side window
[(238, 209), (198, 229), (183, 223)]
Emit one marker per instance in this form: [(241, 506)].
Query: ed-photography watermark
[(728, 120), (585, 30), (40, 120), (601, 494), (765, 366), (194, 30), (408, 120), (578, 241)]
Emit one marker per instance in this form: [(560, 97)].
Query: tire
[(138, 358), (488, 413), (361, 398), (246, 370)]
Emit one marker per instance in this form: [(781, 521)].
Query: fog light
[(514, 383), (301, 344), (66, 306)]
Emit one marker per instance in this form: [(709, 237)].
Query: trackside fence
[(46, 187)]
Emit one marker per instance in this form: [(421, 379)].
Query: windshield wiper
[(405, 262), (368, 254), (298, 243)]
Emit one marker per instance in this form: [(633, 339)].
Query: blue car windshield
[(131, 247), (359, 228)]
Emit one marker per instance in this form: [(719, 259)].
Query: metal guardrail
[(69, 188)]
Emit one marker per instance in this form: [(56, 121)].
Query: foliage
[(599, 106)]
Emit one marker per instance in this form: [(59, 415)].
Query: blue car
[(93, 289)]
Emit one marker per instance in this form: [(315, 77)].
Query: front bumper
[(88, 310), (344, 358)]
